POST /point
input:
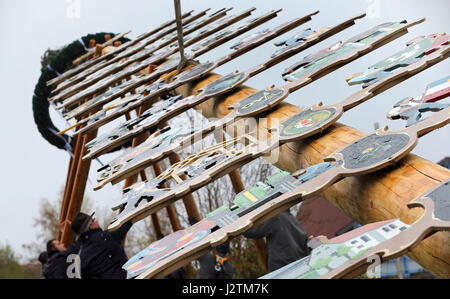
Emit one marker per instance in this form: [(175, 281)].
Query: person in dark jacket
[(216, 266), (101, 255), (44, 260), (286, 240), (58, 262)]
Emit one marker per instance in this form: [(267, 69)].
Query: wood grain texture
[(379, 196)]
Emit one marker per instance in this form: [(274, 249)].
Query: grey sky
[(32, 168)]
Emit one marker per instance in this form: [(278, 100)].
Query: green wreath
[(56, 62)]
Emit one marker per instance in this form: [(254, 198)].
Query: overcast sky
[(33, 169)]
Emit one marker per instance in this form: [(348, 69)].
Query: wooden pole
[(76, 146), (367, 198), (178, 16), (70, 181), (78, 189)]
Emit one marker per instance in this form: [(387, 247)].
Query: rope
[(180, 35)]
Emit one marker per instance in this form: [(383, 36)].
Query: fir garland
[(59, 63)]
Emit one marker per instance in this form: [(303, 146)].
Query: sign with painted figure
[(344, 254), (415, 51), (341, 53), (138, 124), (412, 109), (133, 161), (91, 104)]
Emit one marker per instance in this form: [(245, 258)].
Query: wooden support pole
[(378, 196), (75, 185), (76, 146), (178, 16), (79, 187)]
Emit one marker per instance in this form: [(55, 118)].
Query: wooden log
[(73, 164), (368, 198), (78, 189)]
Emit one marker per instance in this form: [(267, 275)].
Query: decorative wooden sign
[(225, 84), (411, 109), (198, 71), (120, 134), (422, 45), (341, 52), (136, 53), (160, 139), (354, 251), (220, 217), (90, 63), (93, 103), (367, 154), (306, 123), (160, 55)]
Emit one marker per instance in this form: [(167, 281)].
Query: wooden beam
[(76, 146), (78, 189)]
